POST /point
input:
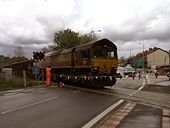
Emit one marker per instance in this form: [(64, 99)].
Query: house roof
[(155, 49), (151, 50)]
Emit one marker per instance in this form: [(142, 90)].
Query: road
[(128, 104), (51, 107)]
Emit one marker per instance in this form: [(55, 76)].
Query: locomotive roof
[(94, 43), (84, 46)]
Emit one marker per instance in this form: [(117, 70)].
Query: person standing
[(139, 75), (156, 74), (48, 76), (133, 75), (147, 77)]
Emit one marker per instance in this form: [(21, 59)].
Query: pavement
[(164, 83), (133, 115)]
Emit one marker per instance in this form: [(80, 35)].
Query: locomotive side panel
[(63, 60), (82, 58), (58, 60)]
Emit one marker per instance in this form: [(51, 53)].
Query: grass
[(13, 84)]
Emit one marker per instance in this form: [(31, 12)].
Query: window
[(104, 53), (99, 53), (85, 54), (110, 54)]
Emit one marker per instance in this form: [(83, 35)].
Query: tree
[(65, 38), (45, 49), (68, 38), (88, 37), (19, 54)]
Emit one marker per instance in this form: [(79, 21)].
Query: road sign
[(36, 64), (35, 70), (139, 62)]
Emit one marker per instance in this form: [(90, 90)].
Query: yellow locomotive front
[(104, 60)]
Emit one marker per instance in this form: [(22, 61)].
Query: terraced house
[(157, 57)]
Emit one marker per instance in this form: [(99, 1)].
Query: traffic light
[(38, 56), (35, 56), (41, 56)]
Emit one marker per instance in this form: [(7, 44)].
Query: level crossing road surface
[(73, 108), (51, 108)]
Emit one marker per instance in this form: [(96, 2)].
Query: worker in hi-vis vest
[(48, 75)]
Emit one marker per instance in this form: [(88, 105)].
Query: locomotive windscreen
[(105, 53)]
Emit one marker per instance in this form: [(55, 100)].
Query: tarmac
[(131, 115)]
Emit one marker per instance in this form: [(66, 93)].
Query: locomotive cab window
[(105, 53), (85, 54), (98, 53), (110, 54)]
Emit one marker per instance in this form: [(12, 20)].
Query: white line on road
[(101, 115), (29, 105), (8, 94), (137, 90)]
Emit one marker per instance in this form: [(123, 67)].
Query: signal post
[(37, 57)]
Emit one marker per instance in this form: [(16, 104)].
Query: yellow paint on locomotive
[(105, 65)]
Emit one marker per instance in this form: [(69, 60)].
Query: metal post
[(42, 71), (143, 58), (24, 78), (169, 64)]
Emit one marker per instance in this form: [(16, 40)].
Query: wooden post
[(36, 79), (24, 78)]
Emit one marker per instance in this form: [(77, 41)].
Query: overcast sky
[(128, 23)]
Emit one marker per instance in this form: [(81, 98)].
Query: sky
[(131, 24)]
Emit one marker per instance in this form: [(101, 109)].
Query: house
[(157, 57)]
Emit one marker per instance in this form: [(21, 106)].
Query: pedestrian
[(133, 75), (60, 83), (139, 75), (146, 77), (48, 76), (156, 74)]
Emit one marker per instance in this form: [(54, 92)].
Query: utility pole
[(143, 58)]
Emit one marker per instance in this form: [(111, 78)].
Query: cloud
[(130, 23)]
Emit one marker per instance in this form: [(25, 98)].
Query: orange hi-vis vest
[(48, 71)]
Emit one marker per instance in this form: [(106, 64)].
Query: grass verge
[(13, 84)]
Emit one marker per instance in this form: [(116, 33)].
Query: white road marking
[(29, 105), (137, 90), (8, 94), (101, 115)]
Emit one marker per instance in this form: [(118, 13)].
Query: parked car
[(129, 71)]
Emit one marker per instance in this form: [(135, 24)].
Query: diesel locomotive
[(93, 64)]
